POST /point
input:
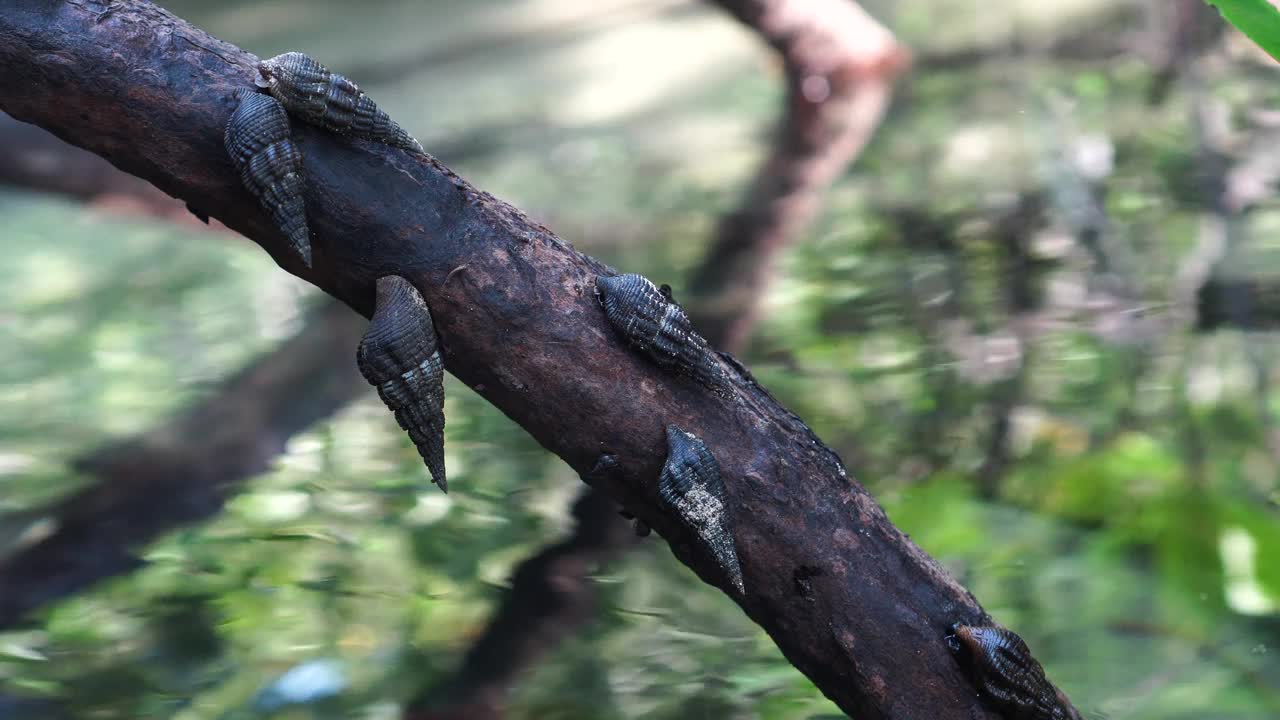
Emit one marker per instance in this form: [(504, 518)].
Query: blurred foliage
[(1131, 538)]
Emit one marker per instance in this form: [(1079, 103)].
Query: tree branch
[(819, 137), (840, 66), (522, 326)]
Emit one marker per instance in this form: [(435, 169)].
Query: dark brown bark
[(815, 145), (840, 65), (520, 323), (187, 470), (36, 160)]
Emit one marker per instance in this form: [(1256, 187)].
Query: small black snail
[(400, 355), (270, 166), (650, 321), (1002, 668), (317, 96), (691, 486)]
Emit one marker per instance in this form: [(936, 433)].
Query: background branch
[(840, 65), (184, 471)]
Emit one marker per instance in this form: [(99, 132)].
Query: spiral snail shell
[(400, 356), (317, 96), (270, 166), (1002, 668), (691, 486), (650, 321)]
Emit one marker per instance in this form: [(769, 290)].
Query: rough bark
[(840, 65), (185, 471), (819, 137), (36, 160), (521, 325)]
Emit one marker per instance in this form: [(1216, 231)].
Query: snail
[(650, 320), (690, 486), (400, 355), (270, 166), (1002, 668), (313, 94)]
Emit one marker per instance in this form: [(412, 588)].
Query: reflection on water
[(1000, 322)]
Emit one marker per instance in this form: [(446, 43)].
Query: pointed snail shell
[(658, 327), (400, 356), (1005, 673), (270, 166), (317, 96), (691, 486)]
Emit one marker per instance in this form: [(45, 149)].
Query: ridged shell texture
[(691, 486), (1004, 671), (315, 95), (651, 322), (400, 356), (270, 166)]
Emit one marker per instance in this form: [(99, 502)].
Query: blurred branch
[(1181, 31), (1243, 303), (1022, 298), (522, 326), (925, 234), (551, 596), (91, 534), (840, 66), (956, 347), (1220, 233), (1247, 303), (185, 470)]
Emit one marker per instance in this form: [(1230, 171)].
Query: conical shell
[(270, 166), (691, 486), (400, 356), (315, 95), (1004, 671), (651, 322)]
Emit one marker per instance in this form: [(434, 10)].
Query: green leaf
[(1258, 19)]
